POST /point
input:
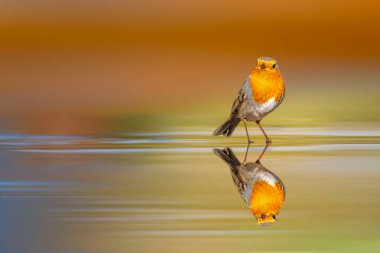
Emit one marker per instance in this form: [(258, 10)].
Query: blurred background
[(181, 62), (106, 111)]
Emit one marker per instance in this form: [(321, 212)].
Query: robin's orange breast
[(266, 198), (266, 86)]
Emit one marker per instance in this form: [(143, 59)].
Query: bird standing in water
[(261, 93)]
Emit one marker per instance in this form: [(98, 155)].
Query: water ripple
[(308, 148), (176, 233)]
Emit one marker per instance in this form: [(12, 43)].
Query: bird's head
[(266, 219), (266, 64)]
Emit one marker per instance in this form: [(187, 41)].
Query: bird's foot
[(250, 141), (268, 141)]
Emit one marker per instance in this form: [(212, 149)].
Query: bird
[(261, 93), (261, 189)]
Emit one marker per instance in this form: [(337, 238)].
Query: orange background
[(73, 57)]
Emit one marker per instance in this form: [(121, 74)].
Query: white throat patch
[(267, 106)]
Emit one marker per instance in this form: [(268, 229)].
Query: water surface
[(168, 192)]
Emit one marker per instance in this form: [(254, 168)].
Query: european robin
[(260, 188), (260, 94)]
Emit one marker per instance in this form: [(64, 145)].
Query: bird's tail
[(228, 156), (228, 127)]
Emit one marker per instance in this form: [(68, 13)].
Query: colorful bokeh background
[(81, 62)]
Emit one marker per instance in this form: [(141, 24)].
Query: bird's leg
[(267, 140), (262, 153), (246, 154), (246, 131)]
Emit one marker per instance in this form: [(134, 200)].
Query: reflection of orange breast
[(266, 198), (266, 86)]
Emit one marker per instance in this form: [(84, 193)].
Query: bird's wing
[(239, 182), (241, 98)]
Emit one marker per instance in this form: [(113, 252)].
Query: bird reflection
[(260, 188)]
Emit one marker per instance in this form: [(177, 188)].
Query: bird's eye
[(263, 216), (274, 217), (274, 66)]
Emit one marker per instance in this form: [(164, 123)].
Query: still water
[(169, 192)]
